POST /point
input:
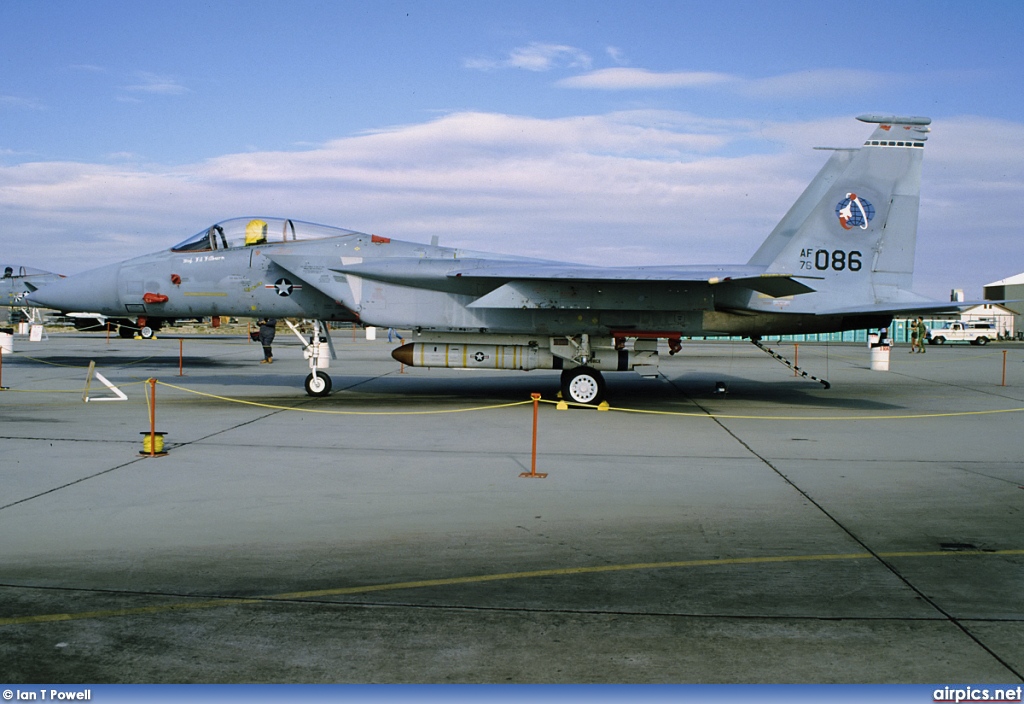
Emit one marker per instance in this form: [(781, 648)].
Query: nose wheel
[(318, 385)]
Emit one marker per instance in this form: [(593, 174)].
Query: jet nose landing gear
[(318, 384), (318, 349)]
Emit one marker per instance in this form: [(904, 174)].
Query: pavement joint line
[(72, 483), (881, 558), (207, 603)]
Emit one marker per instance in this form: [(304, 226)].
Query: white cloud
[(637, 187), (642, 79), (20, 103), (616, 54), (822, 82), (535, 56), (156, 84), (800, 84)]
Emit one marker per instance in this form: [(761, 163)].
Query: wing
[(538, 287), (505, 278), (525, 283), (752, 278)]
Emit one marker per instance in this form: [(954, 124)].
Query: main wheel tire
[(583, 385), (146, 332), (125, 332), (319, 385)]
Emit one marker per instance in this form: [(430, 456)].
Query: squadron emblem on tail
[(854, 212)]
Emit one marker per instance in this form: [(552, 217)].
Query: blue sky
[(599, 132)]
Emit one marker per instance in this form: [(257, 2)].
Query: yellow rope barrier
[(326, 411), (63, 391)]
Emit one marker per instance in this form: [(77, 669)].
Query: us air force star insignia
[(284, 287)]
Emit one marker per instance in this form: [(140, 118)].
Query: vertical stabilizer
[(854, 228)]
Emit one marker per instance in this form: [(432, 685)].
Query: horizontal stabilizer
[(774, 285)]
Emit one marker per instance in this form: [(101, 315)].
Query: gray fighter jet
[(841, 259), (17, 282)]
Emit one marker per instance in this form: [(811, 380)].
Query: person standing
[(268, 328), (922, 333)]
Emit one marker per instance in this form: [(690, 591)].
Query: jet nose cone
[(92, 291)]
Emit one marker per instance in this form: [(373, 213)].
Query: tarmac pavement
[(780, 532)]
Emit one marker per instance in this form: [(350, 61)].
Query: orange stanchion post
[(796, 358), (2, 387), (181, 355), (533, 458), (1004, 369), (108, 332)]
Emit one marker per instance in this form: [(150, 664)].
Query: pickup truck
[(977, 333)]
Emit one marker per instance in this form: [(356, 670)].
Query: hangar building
[(1012, 291)]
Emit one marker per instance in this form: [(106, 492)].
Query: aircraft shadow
[(108, 361), (623, 391)]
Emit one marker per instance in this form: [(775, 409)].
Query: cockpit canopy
[(249, 232), (11, 271)]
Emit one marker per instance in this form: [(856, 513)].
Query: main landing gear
[(319, 350), (583, 385)]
